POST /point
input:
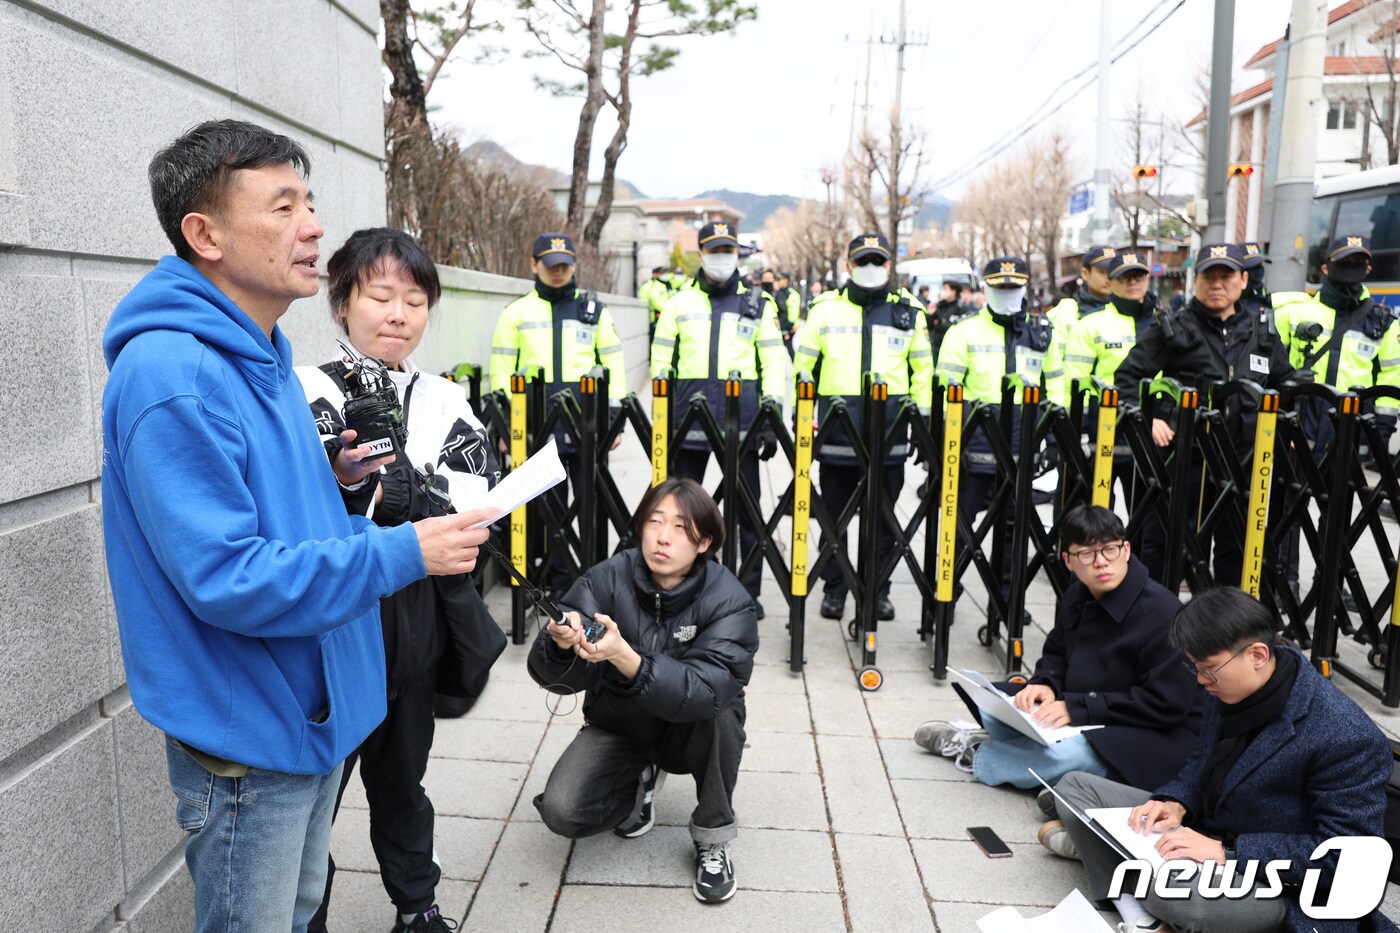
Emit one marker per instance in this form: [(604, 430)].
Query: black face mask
[(1347, 273), (768, 287), (1256, 280)]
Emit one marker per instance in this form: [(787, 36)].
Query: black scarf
[(554, 295), (728, 287), (1340, 298), (1241, 722), (1089, 302), (1136, 309), (865, 297)]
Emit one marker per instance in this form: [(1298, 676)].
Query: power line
[(1015, 135)]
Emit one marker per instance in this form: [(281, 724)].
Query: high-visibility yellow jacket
[(706, 332), (977, 353), (655, 292), (848, 340), (1096, 345), (564, 340), (1368, 353)]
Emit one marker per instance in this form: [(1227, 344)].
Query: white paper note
[(1074, 914), (528, 480)]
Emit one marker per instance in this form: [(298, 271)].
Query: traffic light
[(1144, 171), (1241, 169)]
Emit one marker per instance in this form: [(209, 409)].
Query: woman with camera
[(661, 642), (382, 287)]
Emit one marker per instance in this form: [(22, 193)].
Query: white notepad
[(1074, 914), (535, 476), (998, 705)]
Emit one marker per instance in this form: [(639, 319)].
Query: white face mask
[(870, 277), (719, 266), (1006, 300)]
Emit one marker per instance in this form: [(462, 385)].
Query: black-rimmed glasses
[(1110, 552)]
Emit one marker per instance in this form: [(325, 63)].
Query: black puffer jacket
[(697, 644)]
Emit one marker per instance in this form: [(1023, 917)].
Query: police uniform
[(850, 332), (562, 333), (706, 331), (655, 292), (1200, 349), (977, 354), (789, 304), (1069, 310), (1365, 353)]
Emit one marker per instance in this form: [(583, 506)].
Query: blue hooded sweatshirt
[(247, 599)]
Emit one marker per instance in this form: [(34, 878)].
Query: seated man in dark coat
[(663, 683), (1285, 762), (1106, 663)]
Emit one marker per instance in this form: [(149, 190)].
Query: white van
[(933, 273)]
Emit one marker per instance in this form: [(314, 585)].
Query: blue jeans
[(1006, 757), (256, 846)]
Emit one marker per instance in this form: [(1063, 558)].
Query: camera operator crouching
[(662, 660)]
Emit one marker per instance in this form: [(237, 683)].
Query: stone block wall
[(89, 90)]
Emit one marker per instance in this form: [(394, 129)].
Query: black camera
[(372, 408), (1307, 332)]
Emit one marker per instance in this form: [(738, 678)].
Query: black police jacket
[(1199, 350), (1110, 661), (697, 644)]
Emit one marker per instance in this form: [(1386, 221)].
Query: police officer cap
[(719, 233), (1344, 246), (1099, 256), (553, 249), (1229, 255), (1254, 255), (1125, 262), (868, 244), (1006, 272)]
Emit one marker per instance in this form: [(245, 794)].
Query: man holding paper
[(1107, 672), (1284, 763)]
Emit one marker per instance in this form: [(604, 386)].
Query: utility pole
[(1100, 222), (1297, 156), (896, 192), (1274, 139), (1218, 129)]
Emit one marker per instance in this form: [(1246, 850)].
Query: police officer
[(948, 311), (711, 327), (562, 331), (870, 325), (1256, 292), (1094, 292), (1001, 339), (1341, 336), (1212, 339), (655, 291), (1099, 341), (788, 302)]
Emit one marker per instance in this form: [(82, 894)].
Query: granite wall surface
[(89, 90)]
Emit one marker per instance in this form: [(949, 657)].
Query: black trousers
[(595, 785), (393, 760), (974, 495), (1224, 547), (692, 463), (838, 484)]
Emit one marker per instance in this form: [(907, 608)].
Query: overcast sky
[(985, 68)]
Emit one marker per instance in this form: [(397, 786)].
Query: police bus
[(1365, 204)]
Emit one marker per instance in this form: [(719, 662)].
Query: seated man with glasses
[(1106, 663), (1285, 762)]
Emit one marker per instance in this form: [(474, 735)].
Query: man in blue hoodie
[(247, 600)]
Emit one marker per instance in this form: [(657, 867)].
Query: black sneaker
[(641, 823), (1045, 801), (758, 609), (714, 873), (429, 921), (884, 609), (833, 606)]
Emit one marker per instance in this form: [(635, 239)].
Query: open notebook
[(1074, 914), (998, 705)]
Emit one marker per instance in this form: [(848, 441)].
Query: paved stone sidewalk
[(846, 825)]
